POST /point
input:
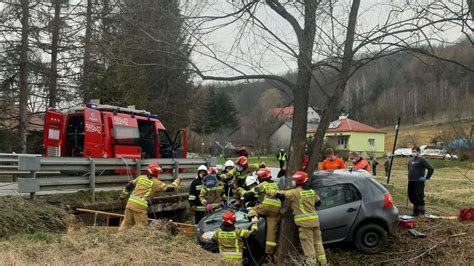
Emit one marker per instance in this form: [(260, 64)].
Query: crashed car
[(354, 208)]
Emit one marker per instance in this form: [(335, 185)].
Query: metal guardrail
[(66, 173)]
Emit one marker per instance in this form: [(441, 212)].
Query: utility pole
[(397, 128)]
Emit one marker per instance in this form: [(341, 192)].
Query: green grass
[(270, 161), (451, 186)]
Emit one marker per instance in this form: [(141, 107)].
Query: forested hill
[(416, 88)]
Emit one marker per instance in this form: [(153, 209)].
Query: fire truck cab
[(106, 131)]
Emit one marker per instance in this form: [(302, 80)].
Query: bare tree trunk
[(24, 90), (334, 101), (86, 94), (288, 232), (470, 3), (53, 90)]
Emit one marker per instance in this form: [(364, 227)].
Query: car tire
[(370, 238)]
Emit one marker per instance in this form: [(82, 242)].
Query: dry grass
[(87, 247), (18, 215), (447, 242), (451, 187)]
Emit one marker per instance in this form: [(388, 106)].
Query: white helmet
[(202, 168), (229, 163), (250, 180)]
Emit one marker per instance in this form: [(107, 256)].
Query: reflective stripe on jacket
[(230, 243)]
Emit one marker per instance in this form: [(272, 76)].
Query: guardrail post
[(92, 179), (176, 169)]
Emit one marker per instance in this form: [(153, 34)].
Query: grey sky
[(258, 52)]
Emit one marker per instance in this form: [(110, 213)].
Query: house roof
[(282, 114), (348, 125), (285, 113)]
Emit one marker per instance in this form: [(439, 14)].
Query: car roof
[(360, 178)]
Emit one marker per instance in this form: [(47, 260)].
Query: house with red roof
[(280, 138), (351, 135)]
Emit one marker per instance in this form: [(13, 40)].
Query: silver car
[(354, 208)]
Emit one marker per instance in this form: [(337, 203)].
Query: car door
[(340, 205), (94, 138), (180, 144)]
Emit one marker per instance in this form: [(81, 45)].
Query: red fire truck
[(105, 131)]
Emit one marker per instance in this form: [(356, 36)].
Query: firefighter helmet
[(228, 218), (242, 161), (300, 177), (154, 169), (250, 180), (264, 173), (229, 163)]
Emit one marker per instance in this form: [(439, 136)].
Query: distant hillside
[(416, 88)]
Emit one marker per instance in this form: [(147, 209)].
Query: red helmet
[(300, 177), (154, 169), (264, 173), (228, 218), (212, 171), (242, 161)]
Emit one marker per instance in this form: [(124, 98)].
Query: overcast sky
[(258, 52)]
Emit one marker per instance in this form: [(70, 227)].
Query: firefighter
[(332, 162), (358, 162), (269, 207), (230, 239), (247, 194), (212, 194), (239, 174), (282, 158), (140, 191), (229, 165), (303, 201), (194, 192)]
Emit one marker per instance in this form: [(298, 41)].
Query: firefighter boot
[(416, 210)]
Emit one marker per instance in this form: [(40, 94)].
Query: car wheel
[(370, 238)]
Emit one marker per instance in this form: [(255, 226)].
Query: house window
[(342, 142), (372, 142)]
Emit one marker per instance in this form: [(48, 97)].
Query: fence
[(76, 173)]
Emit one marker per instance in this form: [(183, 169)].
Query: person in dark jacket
[(417, 176), (386, 165), (194, 191), (375, 163)]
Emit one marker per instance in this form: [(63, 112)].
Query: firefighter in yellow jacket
[(140, 190), (239, 174), (212, 194), (303, 201), (230, 239), (268, 206)]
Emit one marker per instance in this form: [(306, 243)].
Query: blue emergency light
[(91, 105), (153, 116)]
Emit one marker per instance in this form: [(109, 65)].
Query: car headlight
[(208, 235)]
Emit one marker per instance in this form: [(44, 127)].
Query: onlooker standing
[(358, 162), (332, 162), (386, 165), (417, 176), (374, 166)]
